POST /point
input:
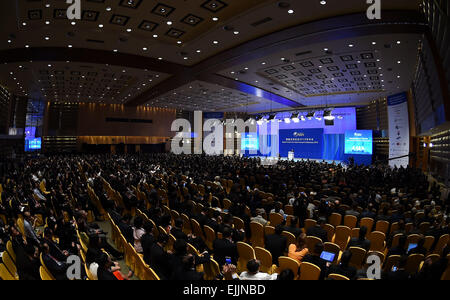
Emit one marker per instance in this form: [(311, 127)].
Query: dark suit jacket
[(319, 232), (276, 244), (147, 240), (57, 269), (348, 271), (127, 232), (294, 230), (159, 261), (356, 242), (223, 248)]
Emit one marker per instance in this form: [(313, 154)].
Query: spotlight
[(327, 115), (287, 120), (310, 115), (294, 117)]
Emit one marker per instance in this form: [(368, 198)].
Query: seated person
[(344, 268), (57, 268), (276, 244), (360, 241), (315, 259), (108, 270), (419, 249), (253, 272), (225, 247), (298, 251)]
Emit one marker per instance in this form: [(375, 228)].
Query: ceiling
[(125, 51)]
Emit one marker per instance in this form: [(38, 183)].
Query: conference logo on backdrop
[(208, 137)]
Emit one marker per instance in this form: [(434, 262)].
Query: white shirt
[(258, 276)]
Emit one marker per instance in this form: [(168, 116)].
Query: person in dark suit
[(159, 258), (400, 249), (55, 251), (147, 240), (57, 268), (187, 270), (180, 252), (27, 262), (315, 259), (318, 231), (276, 243), (177, 230), (344, 268), (360, 241), (292, 228), (126, 229), (225, 247), (400, 273)]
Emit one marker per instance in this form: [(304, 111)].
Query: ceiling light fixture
[(291, 11), (323, 2), (215, 19), (169, 23)]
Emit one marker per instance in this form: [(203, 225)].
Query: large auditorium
[(210, 142)]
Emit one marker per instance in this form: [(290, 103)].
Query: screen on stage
[(358, 142), (33, 144), (250, 141), (306, 143)]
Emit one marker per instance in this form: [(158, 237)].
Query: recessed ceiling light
[(398, 76), (129, 30), (9, 41), (378, 59), (179, 42), (70, 46), (155, 35), (47, 38), (236, 32), (215, 19), (325, 49), (399, 62), (374, 43), (291, 11), (73, 23), (49, 65), (108, 8), (350, 45), (198, 51), (47, 22), (398, 42), (145, 48), (27, 46), (47, 5), (169, 23), (115, 50), (160, 58), (185, 58), (215, 42), (24, 24), (263, 63), (100, 25)]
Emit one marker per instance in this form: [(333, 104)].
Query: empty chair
[(377, 241), (394, 227), (350, 221), (443, 240), (395, 240), (413, 263), (433, 257), (290, 238), (4, 273), (309, 271), (368, 222), (358, 256), (309, 223), (196, 229), (8, 262), (187, 228), (429, 240), (238, 223), (355, 232), (211, 269), (335, 219), (424, 226), (257, 236), (285, 262), (382, 226), (275, 219), (268, 230), (342, 236), (246, 253), (311, 242), (330, 231), (210, 236), (265, 257)]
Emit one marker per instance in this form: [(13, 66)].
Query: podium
[(291, 155)]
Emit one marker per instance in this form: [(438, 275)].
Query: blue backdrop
[(306, 143)]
